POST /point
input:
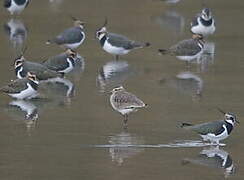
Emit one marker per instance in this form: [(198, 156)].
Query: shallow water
[(60, 139)]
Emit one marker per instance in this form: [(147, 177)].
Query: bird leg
[(125, 121), (116, 57)]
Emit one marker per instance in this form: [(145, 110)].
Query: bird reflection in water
[(172, 20), (213, 157), (113, 74), (24, 110), (60, 89), (55, 5), (120, 151), (207, 57), (16, 32), (187, 83)]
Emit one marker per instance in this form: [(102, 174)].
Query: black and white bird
[(214, 131), (70, 38), (63, 63), (17, 33), (42, 72), (25, 88), (15, 6), (186, 50), (203, 23), (125, 102), (116, 44)]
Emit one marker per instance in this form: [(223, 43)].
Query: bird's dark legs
[(116, 57), (125, 121)]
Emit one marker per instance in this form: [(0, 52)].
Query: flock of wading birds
[(29, 73)]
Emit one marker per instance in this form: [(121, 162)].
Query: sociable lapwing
[(63, 62), (203, 23), (116, 44), (42, 72), (25, 88), (15, 6), (125, 102), (214, 131), (70, 38), (187, 49)]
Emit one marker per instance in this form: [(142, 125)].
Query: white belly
[(26, 94), (217, 138), (204, 30), (190, 58), (114, 50), (14, 8)]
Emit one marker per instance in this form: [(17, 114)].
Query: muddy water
[(74, 133)]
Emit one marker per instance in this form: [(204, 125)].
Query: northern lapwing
[(186, 50), (214, 131), (42, 72), (15, 6), (17, 32), (63, 63), (125, 102), (25, 88), (116, 44), (70, 38), (203, 23)]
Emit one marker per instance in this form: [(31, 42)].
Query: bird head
[(71, 53), (19, 61), (101, 32), (77, 22), (31, 76), (117, 89), (206, 14), (229, 117)]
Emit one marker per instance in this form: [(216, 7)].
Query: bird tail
[(163, 51), (141, 45), (185, 125)]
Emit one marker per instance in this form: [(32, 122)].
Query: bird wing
[(41, 71), (215, 127), (15, 86), (188, 47), (68, 36), (120, 41), (127, 100), (57, 63)]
